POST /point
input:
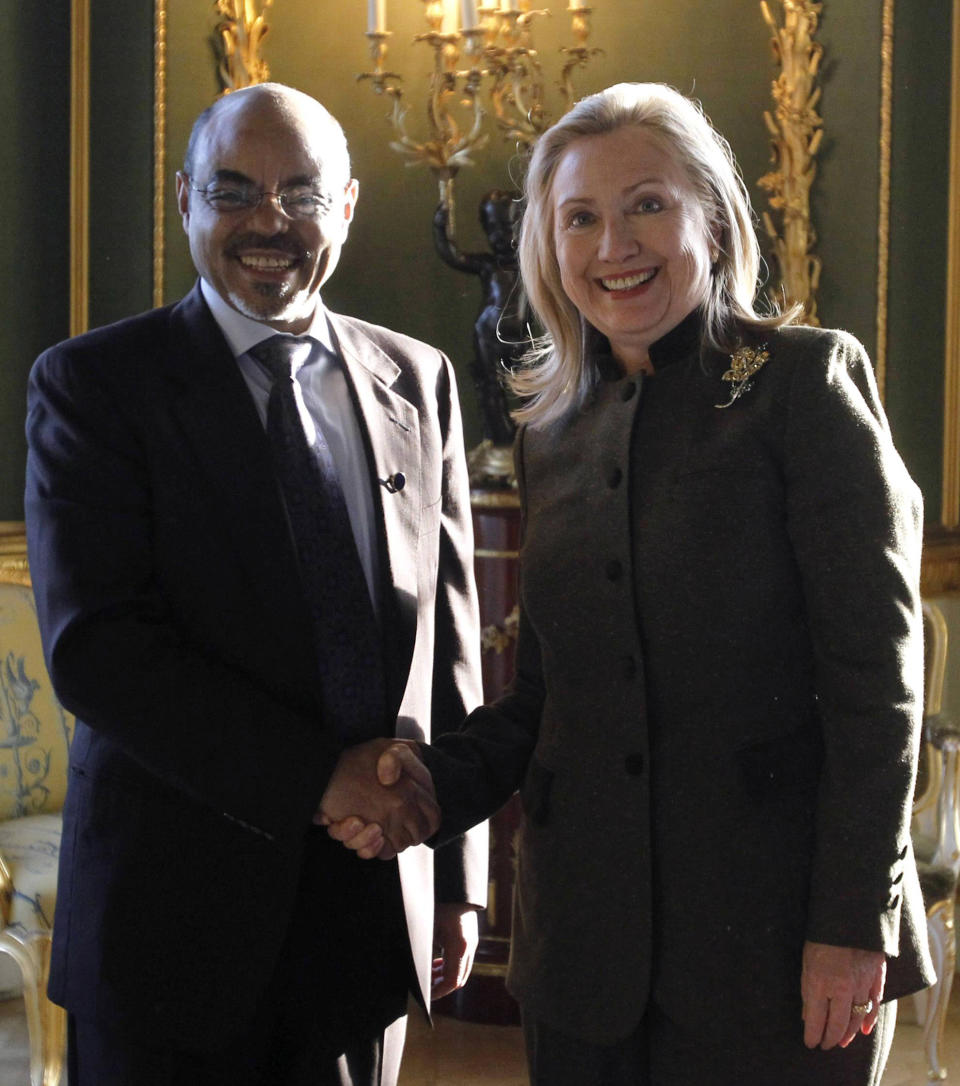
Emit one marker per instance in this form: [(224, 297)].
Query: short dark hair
[(195, 133)]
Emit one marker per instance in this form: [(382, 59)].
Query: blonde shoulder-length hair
[(557, 376)]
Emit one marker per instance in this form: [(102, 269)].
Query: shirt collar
[(242, 332)]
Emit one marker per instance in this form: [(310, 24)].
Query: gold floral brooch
[(744, 363)]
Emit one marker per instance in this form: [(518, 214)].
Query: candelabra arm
[(383, 81), (577, 57), (448, 203)]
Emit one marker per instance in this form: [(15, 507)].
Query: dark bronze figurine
[(501, 333)]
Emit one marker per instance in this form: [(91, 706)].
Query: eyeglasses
[(296, 202)]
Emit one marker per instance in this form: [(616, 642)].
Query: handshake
[(380, 799)]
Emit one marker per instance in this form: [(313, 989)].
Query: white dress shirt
[(324, 401)]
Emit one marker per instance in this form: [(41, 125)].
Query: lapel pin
[(394, 483)]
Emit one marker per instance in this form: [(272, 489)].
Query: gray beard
[(277, 300)]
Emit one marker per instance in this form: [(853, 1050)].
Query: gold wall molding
[(941, 552), (883, 200), (796, 131), (79, 166), (950, 505), (159, 143), (240, 35)]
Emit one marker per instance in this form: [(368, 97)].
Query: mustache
[(278, 242)]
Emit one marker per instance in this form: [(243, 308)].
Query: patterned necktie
[(348, 638)]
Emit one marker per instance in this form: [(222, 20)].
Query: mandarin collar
[(680, 342)]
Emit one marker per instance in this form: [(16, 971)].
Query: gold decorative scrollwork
[(159, 143), (796, 131), (579, 55), (241, 34)]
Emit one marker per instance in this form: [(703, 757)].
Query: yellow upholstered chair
[(35, 735), (936, 837)]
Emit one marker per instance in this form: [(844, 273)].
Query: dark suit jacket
[(714, 721), (176, 630)]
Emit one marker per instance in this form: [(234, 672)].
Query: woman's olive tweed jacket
[(715, 716)]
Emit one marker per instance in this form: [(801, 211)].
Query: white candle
[(449, 25), (468, 14), (511, 5), (376, 16)]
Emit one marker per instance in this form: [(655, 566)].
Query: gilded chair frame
[(46, 1022), (936, 824)]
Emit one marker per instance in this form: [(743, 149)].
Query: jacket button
[(614, 569), (628, 391), (633, 763), (614, 478)]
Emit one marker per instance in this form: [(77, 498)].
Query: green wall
[(121, 161), (918, 242), (34, 227), (717, 50)]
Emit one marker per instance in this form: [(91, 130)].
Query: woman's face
[(631, 238)]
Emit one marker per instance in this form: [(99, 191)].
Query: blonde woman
[(714, 719)]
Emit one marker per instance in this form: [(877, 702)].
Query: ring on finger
[(862, 1009)]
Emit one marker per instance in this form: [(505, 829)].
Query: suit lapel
[(219, 422), (392, 429)]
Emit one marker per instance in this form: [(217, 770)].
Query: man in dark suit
[(213, 650)]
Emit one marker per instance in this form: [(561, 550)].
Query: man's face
[(261, 261)]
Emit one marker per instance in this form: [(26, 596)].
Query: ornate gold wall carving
[(159, 143), (240, 36), (795, 128)]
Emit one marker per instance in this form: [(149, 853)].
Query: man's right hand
[(380, 799), (398, 766)]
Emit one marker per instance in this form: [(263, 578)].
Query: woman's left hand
[(842, 987)]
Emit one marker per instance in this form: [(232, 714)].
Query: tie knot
[(281, 353)]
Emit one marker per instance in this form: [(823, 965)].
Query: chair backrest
[(930, 767), (934, 658), (35, 729), (936, 803)]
